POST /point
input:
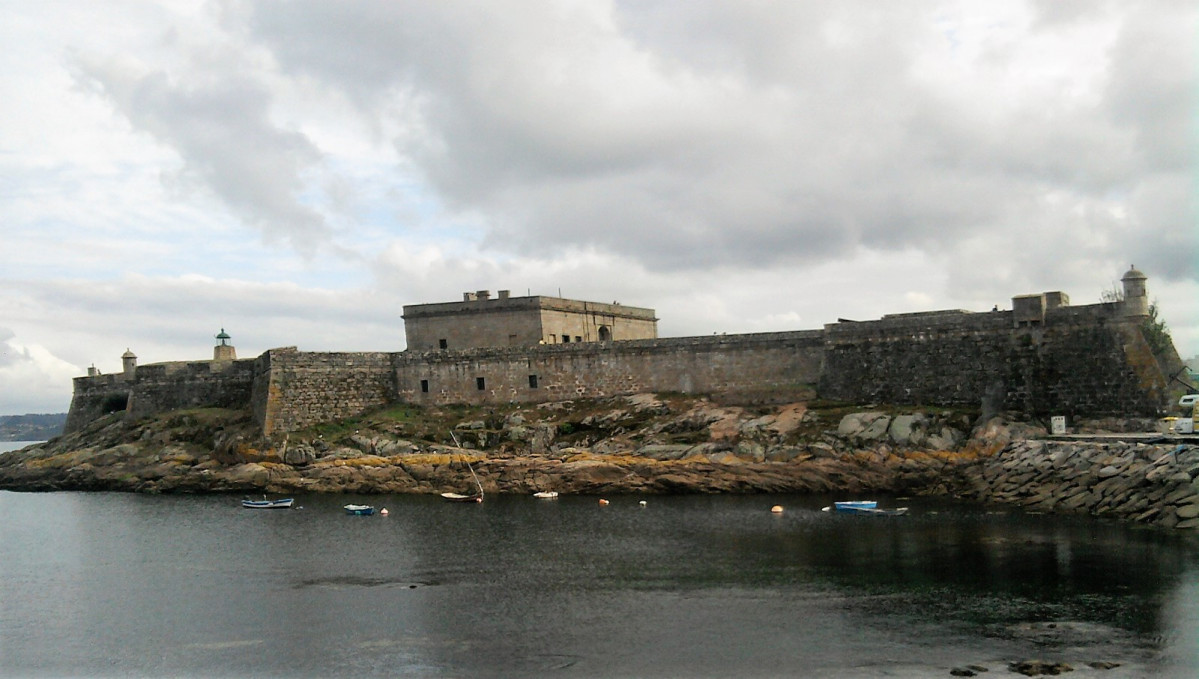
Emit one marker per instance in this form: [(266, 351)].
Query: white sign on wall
[(1058, 424)]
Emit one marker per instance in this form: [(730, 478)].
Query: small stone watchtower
[(223, 351), (1136, 298), (129, 363)]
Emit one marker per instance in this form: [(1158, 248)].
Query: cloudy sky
[(295, 172)]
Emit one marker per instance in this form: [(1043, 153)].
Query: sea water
[(109, 584)]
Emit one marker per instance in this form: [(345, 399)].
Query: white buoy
[(383, 511), (777, 509), (642, 503)]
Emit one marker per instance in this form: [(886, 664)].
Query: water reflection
[(685, 586)]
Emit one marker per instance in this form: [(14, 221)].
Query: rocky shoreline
[(641, 444), (1153, 483)]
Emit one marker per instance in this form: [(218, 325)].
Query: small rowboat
[(854, 505), (459, 497), (867, 507), (359, 510), (546, 495), (282, 503)]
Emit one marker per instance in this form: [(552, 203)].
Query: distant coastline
[(33, 427)]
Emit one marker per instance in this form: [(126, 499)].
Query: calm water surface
[(107, 584)]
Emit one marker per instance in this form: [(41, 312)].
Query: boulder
[(249, 475), (947, 438), (1188, 511), (750, 450), (299, 455), (871, 426)]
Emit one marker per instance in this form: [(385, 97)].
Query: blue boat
[(282, 503), (359, 510), (868, 507), (855, 505)]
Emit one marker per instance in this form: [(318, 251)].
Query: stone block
[(1187, 511)]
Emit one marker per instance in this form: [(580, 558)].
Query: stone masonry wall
[(307, 388), (935, 360), (94, 397), (161, 387), (1081, 361), (693, 365), (1083, 370)]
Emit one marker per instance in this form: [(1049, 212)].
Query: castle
[(1042, 357)]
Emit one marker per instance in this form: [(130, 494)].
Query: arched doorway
[(605, 334)]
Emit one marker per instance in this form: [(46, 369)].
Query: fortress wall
[(160, 387), (933, 359), (264, 398), (1086, 360), (1091, 370), (1081, 361), (716, 364), (300, 389), (94, 397)]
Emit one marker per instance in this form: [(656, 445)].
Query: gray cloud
[(687, 136), (221, 130)]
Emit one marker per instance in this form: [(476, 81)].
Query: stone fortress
[(1042, 357)]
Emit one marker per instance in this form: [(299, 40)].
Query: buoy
[(383, 511), (603, 502), (642, 503), (777, 509)]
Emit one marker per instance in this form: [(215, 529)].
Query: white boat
[(546, 495), (281, 503), (473, 497), (359, 510), (459, 497)]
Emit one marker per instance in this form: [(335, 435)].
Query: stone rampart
[(1087, 360), (298, 389), (95, 396), (161, 387), (1143, 482), (692, 365)]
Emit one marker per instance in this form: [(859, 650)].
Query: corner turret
[(1136, 298), (129, 364)]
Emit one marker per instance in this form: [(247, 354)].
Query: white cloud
[(33, 379)]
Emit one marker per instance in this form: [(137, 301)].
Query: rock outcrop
[(640, 444)]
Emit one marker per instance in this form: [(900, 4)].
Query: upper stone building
[(481, 321)]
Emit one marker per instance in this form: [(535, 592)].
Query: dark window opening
[(480, 384), (578, 339), (566, 338), (532, 381), (605, 334), (424, 386), (442, 344)]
